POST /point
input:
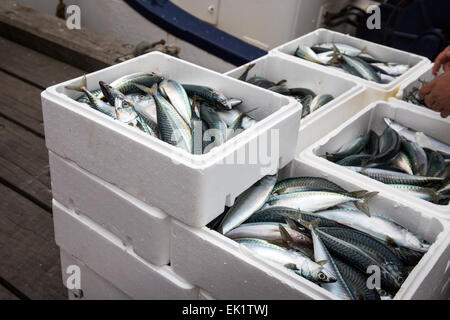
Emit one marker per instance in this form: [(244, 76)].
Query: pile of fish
[(407, 160), (352, 60), (413, 96), (191, 117), (308, 98), (323, 233)]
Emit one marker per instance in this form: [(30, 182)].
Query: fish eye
[(400, 279), (322, 276)]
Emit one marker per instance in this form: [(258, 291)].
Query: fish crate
[(139, 226), (348, 94), (244, 275), (412, 83), (92, 285), (105, 254), (192, 188), (372, 118), (377, 91)]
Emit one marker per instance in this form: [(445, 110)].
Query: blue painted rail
[(185, 26)]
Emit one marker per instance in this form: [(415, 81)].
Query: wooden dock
[(29, 258)]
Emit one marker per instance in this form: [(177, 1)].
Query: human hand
[(437, 94), (442, 60)]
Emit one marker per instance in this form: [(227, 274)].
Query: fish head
[(415, 243), (322, 275)]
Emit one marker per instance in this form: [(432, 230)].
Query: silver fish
[(377, 226), (421, 138), (247, 203), (178, 98), (340, 288), (311, 201), (423, 193), (269, 231), (96, 102), (392, 177), (173, 129), (298, 263)]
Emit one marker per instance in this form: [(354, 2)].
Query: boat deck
[(29, 258)]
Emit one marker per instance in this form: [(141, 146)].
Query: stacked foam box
[(349, 95), (375, 91), (131, 211), (117, 191), (372, 117)]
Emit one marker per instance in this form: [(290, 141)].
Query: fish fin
[(244, 75), (291, 223), (291, 266), (391, 242), (322, 262), (435, 196), (359, 193), (296, 50), (80, 87), (363, 205), (329, 157), (285, 236), (249, 111), (279, 83), (144, 88)]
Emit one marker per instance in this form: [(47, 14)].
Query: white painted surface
[(191, 188)]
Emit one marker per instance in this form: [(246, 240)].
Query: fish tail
[(145, 89), (363, 200), (80, 87)]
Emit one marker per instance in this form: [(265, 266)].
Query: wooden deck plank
[(6, 294), (21, 103), (34, 67), (29, 256), (49, 35), (24, 163)]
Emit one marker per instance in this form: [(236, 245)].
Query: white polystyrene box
[(105, 254), (429, 278), (204, 295), (192, 188), (92, 285), (139, 226), (371, 117), (379, 91), (244, 275), (349, 96), (414, 82)]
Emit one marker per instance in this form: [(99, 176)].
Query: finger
[(426, 89), (447, 67), (430, 101), (440, 60), (445, 113)]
